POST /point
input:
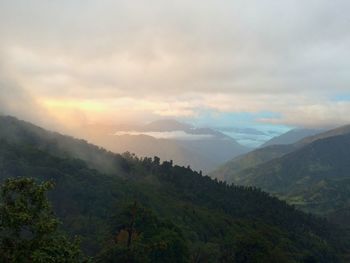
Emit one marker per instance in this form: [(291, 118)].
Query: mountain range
[(313, 174), (201, 148), (198, 219), (292, 136)]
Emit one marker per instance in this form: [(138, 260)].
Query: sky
[(264, 64)]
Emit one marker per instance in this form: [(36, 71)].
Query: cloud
[(178, 58), (17, 101), (315, 115), (178, 135), (13, 99)]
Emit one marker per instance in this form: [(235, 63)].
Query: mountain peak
[(292, 136), (167, 125)]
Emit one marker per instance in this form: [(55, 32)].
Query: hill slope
[(21, 132), (210, 214), (291, 137), (334, 132), (316, 177), (201, 148), (230, 171)]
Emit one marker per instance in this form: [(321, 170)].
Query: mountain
[(20, 132), (230, 171), (201, 148), (333, 132), (206, 220), (178, 151), (315, 178), (166, 125), (292, 136)]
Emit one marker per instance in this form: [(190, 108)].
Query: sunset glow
[(127, 64)]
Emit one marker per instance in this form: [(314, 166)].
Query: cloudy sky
[(242, 63)]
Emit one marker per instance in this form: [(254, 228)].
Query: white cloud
[(179, 135), (176, 58)]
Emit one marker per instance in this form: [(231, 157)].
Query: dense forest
[(121, 208), (233, 170), (315, 178)]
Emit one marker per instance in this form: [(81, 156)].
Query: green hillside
[(229, 172), (191, 218), (315, 178)]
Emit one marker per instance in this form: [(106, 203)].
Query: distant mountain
[(180, 152), (334, 132), (166, 125), (292, 136), (201, 148), (186, 216), (274, 148), (315, 178), (252, 137), (20, 132), (312, 174), (229, 171)]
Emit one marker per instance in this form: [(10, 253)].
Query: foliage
[(181, 215), (314, 178), (230, 171), (28, 229), (141, 237)]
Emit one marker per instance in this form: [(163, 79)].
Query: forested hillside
[(232, 171), (315, 178), (178, 214), (229, 172), (202, 148)]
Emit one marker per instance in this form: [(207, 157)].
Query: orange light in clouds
[(76, 112), (85, 105), (73, 112)]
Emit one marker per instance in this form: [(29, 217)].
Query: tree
[(28, 228), (142, 237), (156, 160), (254, 248)]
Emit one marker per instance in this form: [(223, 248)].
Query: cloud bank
[(141, 60), (178, 135)]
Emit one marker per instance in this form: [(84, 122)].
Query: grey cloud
[(17, 101), (13, 100), (171, 48)]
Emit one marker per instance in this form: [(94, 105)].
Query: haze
[(264, 64)]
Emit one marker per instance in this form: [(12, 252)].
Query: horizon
[(174, 131), (261, 65)]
